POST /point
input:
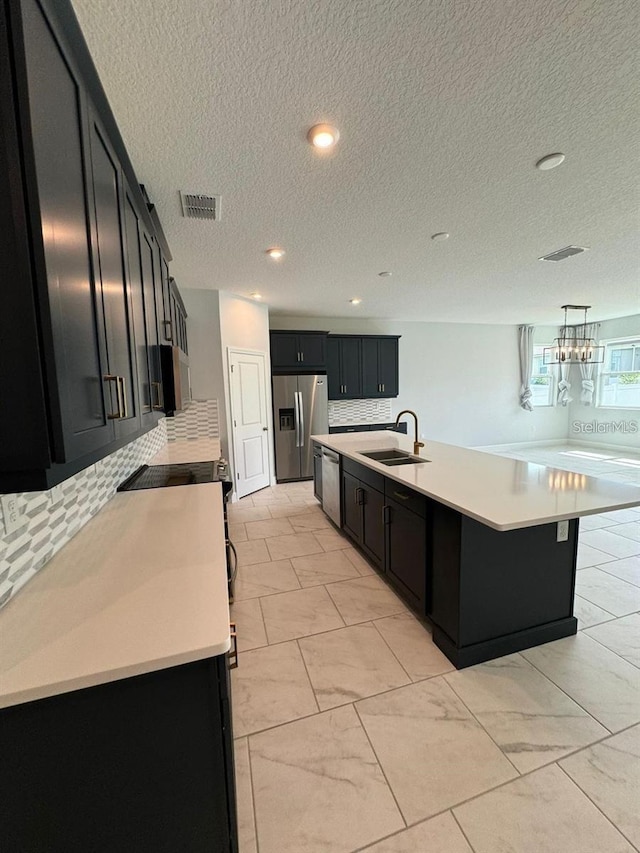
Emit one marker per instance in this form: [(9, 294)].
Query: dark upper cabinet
[(139, 308), (344, 367), (87, 288), (362, 366), (177, 318), (379, 367), (58, 173), (109, 263), (298, 352)]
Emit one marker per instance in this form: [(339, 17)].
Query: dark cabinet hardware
[(401, 496)]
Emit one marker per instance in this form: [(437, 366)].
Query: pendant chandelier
[(568, 348)]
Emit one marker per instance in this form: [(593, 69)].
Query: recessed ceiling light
[(384, 274), (441, 235), (355, 301), (275, 252), (256, 295), (550, 161), (323, 136)]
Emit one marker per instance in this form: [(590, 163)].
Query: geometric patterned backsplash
[(51, 518), (200, 420), (349, 412)]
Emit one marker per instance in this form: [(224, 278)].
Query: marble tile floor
[(355, 733)]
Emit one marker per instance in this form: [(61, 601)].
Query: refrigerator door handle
[(296, 411), (301, 411)]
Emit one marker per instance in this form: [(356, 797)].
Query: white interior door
[(250, 420)]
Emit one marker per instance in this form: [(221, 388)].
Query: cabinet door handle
[(168, 334), (383, 388), (301, 356), (386, 515), (402, 496), (233, 651), (355, 497), (119, 415)]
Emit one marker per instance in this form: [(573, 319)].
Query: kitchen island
[(482, 546), (115, 720)]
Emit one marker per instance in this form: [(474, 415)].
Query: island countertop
[(142, 587), (498, 491)]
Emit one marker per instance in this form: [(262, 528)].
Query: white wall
[(462, 380), (244, 324), (217, 321), (602, 420)]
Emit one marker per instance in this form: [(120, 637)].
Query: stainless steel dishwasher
[(331, 484)]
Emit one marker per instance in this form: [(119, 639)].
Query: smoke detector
[(198, 206), (561, 254)]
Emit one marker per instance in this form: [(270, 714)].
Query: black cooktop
[(177, 474)]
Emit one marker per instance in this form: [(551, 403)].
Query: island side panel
[(495, 592)]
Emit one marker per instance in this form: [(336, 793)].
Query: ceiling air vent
[(196, 206), (561, 254)]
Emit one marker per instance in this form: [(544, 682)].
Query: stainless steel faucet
[(416, 444)]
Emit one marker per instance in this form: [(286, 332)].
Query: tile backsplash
[(199, 420), (49, 519), (348, 412)]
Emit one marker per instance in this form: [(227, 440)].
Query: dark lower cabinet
[(486, 592), (406, 553), (391, 524), (391, 427), (352, 506), (144, 764), (363, 509), (373, 532)]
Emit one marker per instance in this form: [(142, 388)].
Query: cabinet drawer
[(366, 475), (405, 497)]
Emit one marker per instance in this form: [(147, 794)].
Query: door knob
[(265, 429)]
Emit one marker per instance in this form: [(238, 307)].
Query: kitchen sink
[(394, 457)]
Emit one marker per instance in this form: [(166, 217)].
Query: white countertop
[(142, 587), (502, 493)]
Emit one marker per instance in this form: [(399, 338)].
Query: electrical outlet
[(56, 495), (10, 513), (563, 531)]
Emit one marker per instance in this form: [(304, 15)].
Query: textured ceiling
[(443, 107)]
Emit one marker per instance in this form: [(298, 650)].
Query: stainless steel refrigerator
[(299, 411)]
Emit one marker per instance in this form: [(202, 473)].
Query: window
[(619, 379), (542, 379)]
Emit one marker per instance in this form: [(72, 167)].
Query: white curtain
[(525, 346), (564, 385), (587, 369)]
